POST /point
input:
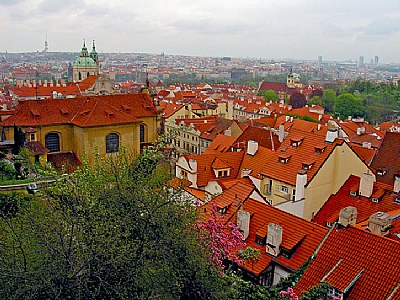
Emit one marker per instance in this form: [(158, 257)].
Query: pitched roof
[(263, 137), (205, 172), (387, 158), (364, 153), (83, 111), (221, 143), (36, 148), (296, 156), (296, 232), (329, 212), (67, 162), (357, 261)]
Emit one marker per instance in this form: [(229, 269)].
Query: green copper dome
[(85, 62)]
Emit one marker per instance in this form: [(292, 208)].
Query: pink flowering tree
[(220, 239), (290, 294)]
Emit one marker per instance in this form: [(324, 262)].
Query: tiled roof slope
[(364, 153), (305, 153), (256, 162), (329, 212), (296, 232), (83, 111), (263, 137), (222, 143), (388, 158), (205, 173), (350, 252)]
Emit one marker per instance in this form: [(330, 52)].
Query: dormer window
[(223, 173), (296, 142), (307, 165), (381, 172), (260, 240), (284, 159), (375, 200), (319, 149), (223, 210)]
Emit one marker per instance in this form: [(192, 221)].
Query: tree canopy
[(348, 105)]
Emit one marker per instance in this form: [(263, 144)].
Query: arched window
[(87, 75), (52, 142), (79, 76), (142, 133), (112, 143)]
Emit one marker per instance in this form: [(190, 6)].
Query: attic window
[(109, 114), (223, 210), (85, 112), (353, 193), (319, 150), (375, 200), (296, 142), (284, 159), (307, 165), (260, 240), (381, 172)]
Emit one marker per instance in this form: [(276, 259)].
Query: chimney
[(301, 181), (396, 185), (331, 135), (252, 147), (320, 117), (348, 216), (380, 223), (245, 173), (366, 185), (287, 118), (243, 222), (281, 133), (319, 127), (274, 239)]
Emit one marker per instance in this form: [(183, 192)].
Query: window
[(79, 76), (33, 137), (260, 240), (52, 142), (184, 174), (268, 188), (142, 135), (284, 189), (294, 195), (112, 143)]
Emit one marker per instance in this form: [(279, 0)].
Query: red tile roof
[(361, 263), (296, 231), (329, 212), (364, 153), (263, 137), (287, 172), (66, 162), (222, 143), (36, 148), (83, 111), (387, 158)]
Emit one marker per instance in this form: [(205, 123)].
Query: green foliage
[(7, 170), (315, 101), (269, 95), (319, 292), (328, 98), (348, 105), (11, 203), (305, 118)]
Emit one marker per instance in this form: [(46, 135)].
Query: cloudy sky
[(303, 29)]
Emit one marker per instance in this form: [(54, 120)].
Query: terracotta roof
[(364, 153), (36, 148), (66, 162), (263, 137), (296, 232), (83, 111), (359, 262), (387, 158), (329, 212), (205, 172), (287, 172), (222, 143), (274, 86), (257, 162)]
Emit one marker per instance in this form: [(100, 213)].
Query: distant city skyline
[(303, 29)]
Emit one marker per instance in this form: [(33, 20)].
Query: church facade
[(87, 64)]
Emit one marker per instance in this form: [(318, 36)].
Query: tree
[(112, 231), (315, 100), (348, 105), (269, 95), (297, 100), (328, 98)]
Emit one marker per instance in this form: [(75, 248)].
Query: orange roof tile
[(287, 172), (364, 263)]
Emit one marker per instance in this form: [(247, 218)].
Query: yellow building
[(306, 170), (85, 126)]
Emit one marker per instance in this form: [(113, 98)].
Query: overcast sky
[(303, 29)]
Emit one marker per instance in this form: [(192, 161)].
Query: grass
[(22, 181)]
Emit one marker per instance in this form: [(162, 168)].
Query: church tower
[(86, 65)]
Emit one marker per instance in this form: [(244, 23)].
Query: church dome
[(85, 62)]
